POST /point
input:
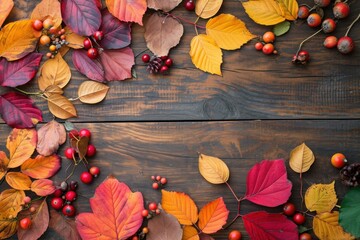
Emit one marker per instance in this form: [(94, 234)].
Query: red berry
[(164, 69), (86, 177), (328, 25), (145, 58), (58, 193), (37, 25), (135, 238), (163, 181), (158, 178), (73, 134), (92, 53), (303, 12), (330, 42), (163, 58), (314, 20), (98, 35), (189, 5), (68, 210), (322, 3), (338, 160), (234, 235), (91, 150), (70, 153), (299, 218), (289, 209), (73, 185), (145, 213), (169, 62), (25, 223), (95, 171), (268, 48), (259, 46), (153, 206), (85, 133), (345, 45), (268, 37), (87, 43), (305, 236), (157, 211), (341, 10), (27, 199), (70, 196), (155, 185), (57, 203), (302, 57)]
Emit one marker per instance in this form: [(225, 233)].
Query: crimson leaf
[(117, 63), (16, 73), (90, 68), (18, 110), (82, 16)]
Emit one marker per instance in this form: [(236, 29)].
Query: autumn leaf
[(164, 5), (350, 212), (75, 40), (11, 201), (321, 197), (228, 31), (80, 145), (53, 89), (213, 169), (54, 71), (46, 9), (5, 9), (116, 212), (50, 137), (41, 166), (17, 40), (204, 236), (190, 233), (117, 63), (181, 206), (290, 8), (63, 226), (326, 226), (157, 37), (301, 158), (127, 11), (21, 144), (90, 68), (206, 54), (92, 92), (269, 226), (18, 181), (267, 183), (4, 162), (43, 187), (61, 107), (213, 216), (8, 227), (207, 8)]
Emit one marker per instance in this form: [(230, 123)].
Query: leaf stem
[(185, 20), (232, 221), (28, 93), (232, 191), (350, 26), (301, 190)]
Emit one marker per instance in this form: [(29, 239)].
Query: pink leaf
[(98, 3), (117, 63), (18, 110), (270, 226), (16, 73), (63, 226), (127, 11), (267, 183), (90, 68), (82, 16), (43, 187)]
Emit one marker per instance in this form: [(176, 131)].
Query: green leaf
[(281, 28), (69, 126), (350, 212)]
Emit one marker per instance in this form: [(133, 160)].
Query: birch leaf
[(213, 169), (207, 8), (321, 197), (92, 92), (301, 158), (326, 226)]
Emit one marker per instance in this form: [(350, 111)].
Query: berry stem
[(306, 39), (185, 20), (350, 26), (232, 191)]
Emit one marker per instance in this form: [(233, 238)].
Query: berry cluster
[(89, 43), (265, 44), (189, 5), (289, 210), (63, 197), (158, 182), (157, 64)]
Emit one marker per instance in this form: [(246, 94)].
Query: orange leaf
[(41, 167), (18, 180), (21, 144), (190, 233), (8, 227), (5, 9), (213, 216), (43, 187), (181, 206), (75, 40), (127, 11), (48, 8), (4, 161), (61, 106), (10, 202)]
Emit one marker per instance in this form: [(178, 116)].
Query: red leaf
[(267, 183), (82, 16), (117, 63), (116, 212), (43, 187), (98, 3), (63, 226), (270, 226), (18, 110), (116, 33), (16, 73), (41, 167), (90, 68)]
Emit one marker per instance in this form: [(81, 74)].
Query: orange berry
[(44, 39), (268, 37)]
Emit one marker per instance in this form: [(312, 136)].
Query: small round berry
[(27, 200), (32, 209), (164, 69), (169, 62), (135, 238), (58, 193), (95, 171), (91, 150), (189, 5), (44, 39), (338, 160), (303, 12), (145, 58), (153, 177), (62, 31), (70, 196), (145, 213), (98, 35), (268, 48), (158, 178), (25, 223), (328, 25), (303, 56), (37, 25), (341, 10), (299, 218), (259, 46), (268, 37), (330, 42), (145, 230), (153, 206), (87, 43), (163, 180), (57, 203), (68, 210), (322, 3), (157, 211), (163, 58), (92, 53), (63, 37), (73, 134), (63, 186), (85, 133), (48, 23), (73, 185), (49, 55), (234, 235), (86, 177), (155, 185), (289, 209), (345, 45), (305, 236), (70, 153), (314, 20), (52, 48), (53, 30)]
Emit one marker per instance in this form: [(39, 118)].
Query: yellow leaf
[(18, 180), (53, 89), (48, 8), (205, 54), (21, 144), (92, 92), (10, 202), (8, 227), (326, 226), (17, 39), (4, 162), (321, 197), (190, 233), (207, 8), (213, 169), (54, 72), (290, 8), (5, 9), (61, 107), (301, 158), (75, 40), (181, 206), (228, 31)]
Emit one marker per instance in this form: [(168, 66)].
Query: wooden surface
[(261, 108)]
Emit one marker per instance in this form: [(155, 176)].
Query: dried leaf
[(116, 212), (164, 227), (43, 187), (213, 216), (21, 144), (204, 236), (190, 233), (61, 107), (326, 226), (8, 227), (290, 9), (50, 137), (164, 5), (207, 8), (267, 183), (281, 28), (321, 197), (82, 16), (127, 11), (5, 9), (206, 54), (17, 40), (4, 161), (11, 201), (228, 31), (269, 226), (213, 169), (350, 212), (46, 9), (117, 63), (181, 206), (54, 71), (90, 68), (63, 226), (18, 110), (18, 181), (92, 92), (301, 158), (75, 40), (82, 146), (41, 166), (53, 89), (162, 33)]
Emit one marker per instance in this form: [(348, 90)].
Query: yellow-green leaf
[(213, 169), (228, 31), (207, 8), (301, 158), (61, 107), (92, 92), (321, 197), (206, 54)]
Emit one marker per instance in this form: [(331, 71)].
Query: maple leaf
[(127, 11)]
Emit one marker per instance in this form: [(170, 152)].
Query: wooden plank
[(132, 152)]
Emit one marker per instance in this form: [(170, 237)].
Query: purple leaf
[(117, 63), (116, 33), (90, 68), (18, 110), (16, 73), (82, 16)]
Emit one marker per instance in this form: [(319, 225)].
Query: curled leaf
[(207, 8), (18, 181), (61, 107), (43, 187), (127, 11), (301, 158), (46, 9), (164, 5), (75, 40), (213, 216), (41, 166), (213, 169), (50, 137), (350, 212), (92, 92), (321, 197), (326, 226), (5, 9)]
